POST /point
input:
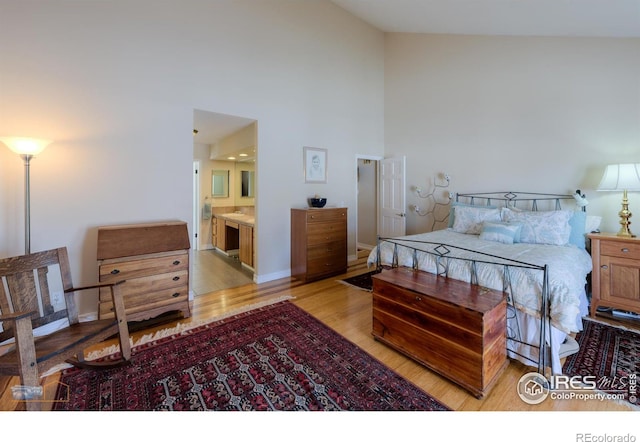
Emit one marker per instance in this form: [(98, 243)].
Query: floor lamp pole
[(27, 205), (27, 148)]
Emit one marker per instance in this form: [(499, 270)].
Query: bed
[(525, 244)]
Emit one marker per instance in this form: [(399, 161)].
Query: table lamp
[(625, 178)]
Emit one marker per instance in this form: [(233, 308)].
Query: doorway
[(366, 203), (216, 137)]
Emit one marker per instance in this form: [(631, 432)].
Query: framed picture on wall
[(315, 165)]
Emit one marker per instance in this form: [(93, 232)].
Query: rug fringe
[(178, 329)]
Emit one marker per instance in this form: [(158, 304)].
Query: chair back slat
[(25, 286), (22, 292), (45, 296), (5, 307)]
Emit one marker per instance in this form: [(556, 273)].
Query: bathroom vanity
[(232, 233)]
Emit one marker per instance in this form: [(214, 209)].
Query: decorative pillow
[(548, 227), (505, 233), (452, 210), (578, 222), (469, 219)]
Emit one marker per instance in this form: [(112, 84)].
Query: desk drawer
[(171, 299), (137, 268), (148, 284)]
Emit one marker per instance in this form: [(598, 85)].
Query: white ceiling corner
[(555, 18)]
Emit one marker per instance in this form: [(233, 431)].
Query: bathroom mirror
[(247, 186), (220, 183)]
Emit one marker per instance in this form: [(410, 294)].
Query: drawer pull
[(115, 271), (176, 262), (604, 267), (624, 250), (418, 298), (176, 278), (175, 295)]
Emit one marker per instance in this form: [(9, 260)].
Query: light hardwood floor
[(213, 271), (348, 311)]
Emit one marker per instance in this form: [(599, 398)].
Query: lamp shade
[(25, 146), (621, 177)]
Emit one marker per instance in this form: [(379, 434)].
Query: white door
[(392, 197)]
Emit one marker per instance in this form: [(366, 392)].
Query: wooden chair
[(38, 309)]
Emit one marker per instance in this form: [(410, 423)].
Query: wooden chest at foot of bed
[(452, 327)]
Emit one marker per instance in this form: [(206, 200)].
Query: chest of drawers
[(452, 327), (616, 272), (153, 260), (318, 243)]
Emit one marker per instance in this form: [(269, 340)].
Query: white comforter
[(568, 267)]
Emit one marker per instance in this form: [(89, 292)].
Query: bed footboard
[(445, 255)]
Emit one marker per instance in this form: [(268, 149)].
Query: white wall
[(115, 85), (513, 113)]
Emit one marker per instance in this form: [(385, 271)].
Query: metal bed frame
[(445, 252)]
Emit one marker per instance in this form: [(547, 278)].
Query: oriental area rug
[(611, 356), (275, 357)]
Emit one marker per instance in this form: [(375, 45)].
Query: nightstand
[(616, 272)]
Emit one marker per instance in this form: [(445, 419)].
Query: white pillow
[(469, 219), (592, 224), (545, 227)]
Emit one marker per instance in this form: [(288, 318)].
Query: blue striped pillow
[(505, 233)]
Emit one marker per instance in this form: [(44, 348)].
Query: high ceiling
[(576, 18), (211, 127), (566, 18)]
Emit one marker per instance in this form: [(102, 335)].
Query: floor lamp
[(27, 148)]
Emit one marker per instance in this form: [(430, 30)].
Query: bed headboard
[(527, 200)]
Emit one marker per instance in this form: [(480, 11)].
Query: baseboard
[(259, 279)]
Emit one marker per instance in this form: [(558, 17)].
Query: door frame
[(196, 206), (377, 159)]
